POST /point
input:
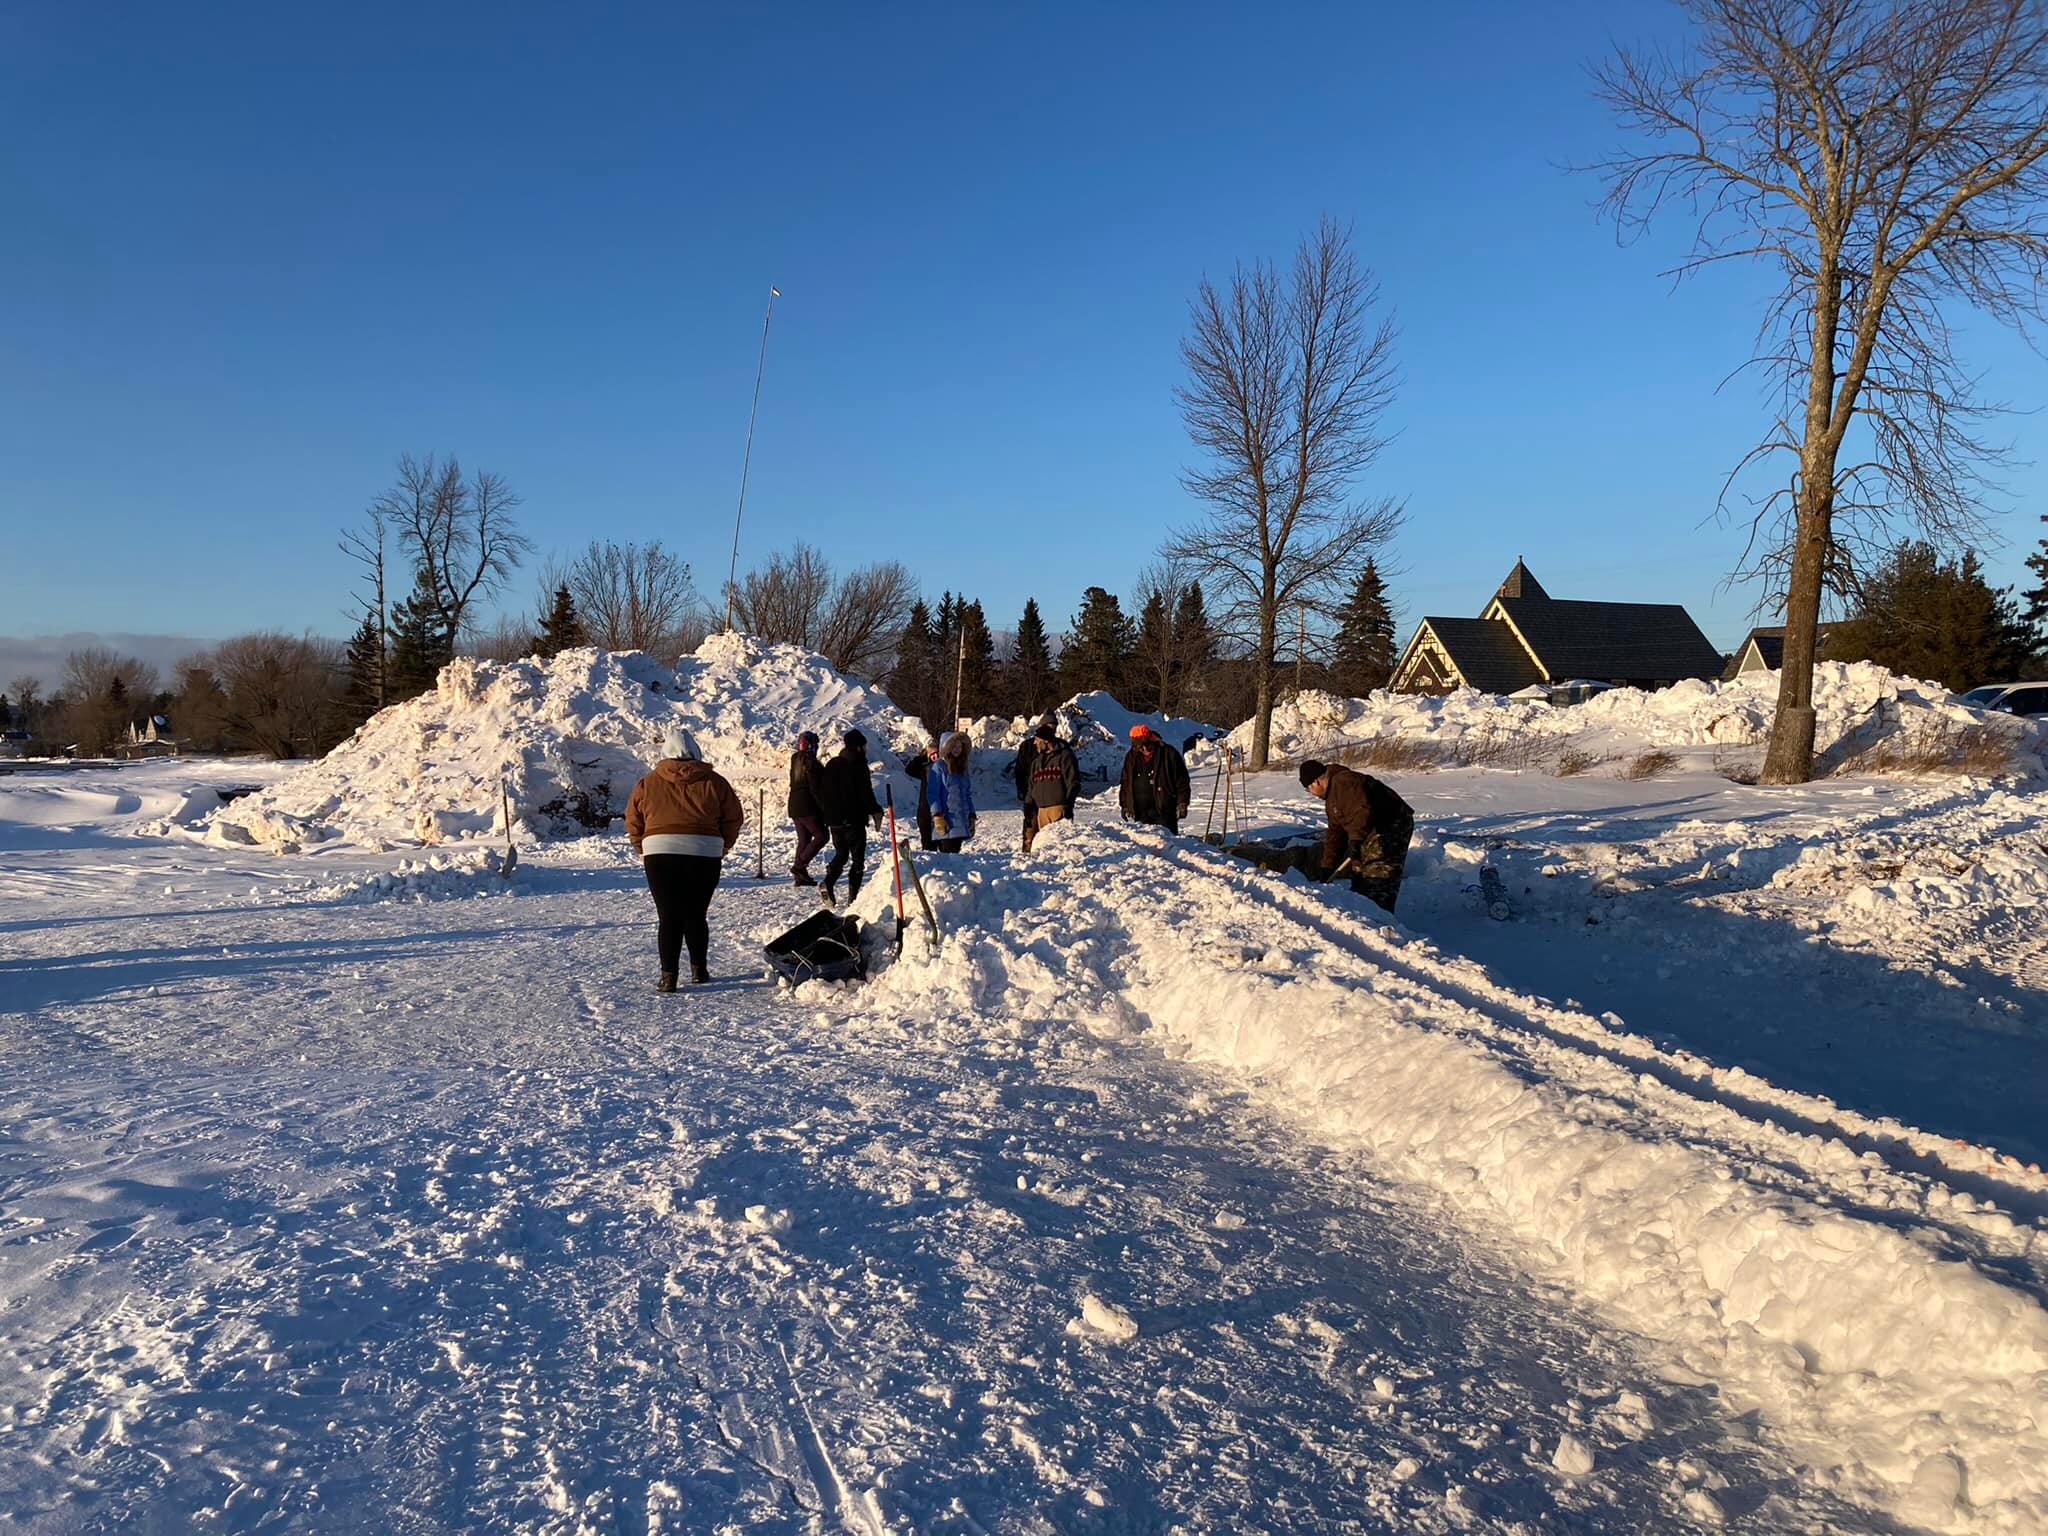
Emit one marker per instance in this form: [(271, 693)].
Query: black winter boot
[(699, 974), (667, 982)]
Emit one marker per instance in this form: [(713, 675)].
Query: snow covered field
[(343, 1191)]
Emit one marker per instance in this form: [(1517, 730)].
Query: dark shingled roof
[(1521, 583), (1486, 654), (1770, 645), (1655, 642)]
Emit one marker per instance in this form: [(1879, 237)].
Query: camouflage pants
[(1380, 857)]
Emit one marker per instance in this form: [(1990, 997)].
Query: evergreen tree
[(978, 682), (1099, 647), (561, 629), (1924, 617), (910, 679), (366, 672), (1156, 672), (1194, 645), (2036, 596), (1027, 677), (1365, 637), (420, 643)]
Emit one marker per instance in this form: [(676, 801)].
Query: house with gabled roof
[(1763, 649), (1524, 637)]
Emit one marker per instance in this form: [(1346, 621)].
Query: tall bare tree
[(865, 615), (783, 601), (1288, 378), (460, 533), (1890, 159), (632, 597), (276, 693), (1156, 600)]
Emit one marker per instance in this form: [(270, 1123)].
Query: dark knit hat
[(1311, 770), (1046, 732), (854, 739)]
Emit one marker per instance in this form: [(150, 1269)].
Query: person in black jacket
[(1020, 775), (804, 810), (847, 796), (1052, 782), (1370, 828), (1155, 782), (917, 767)]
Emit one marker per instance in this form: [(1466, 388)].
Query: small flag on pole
[(774, 292)]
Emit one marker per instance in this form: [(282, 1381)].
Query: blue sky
[(253, 252)]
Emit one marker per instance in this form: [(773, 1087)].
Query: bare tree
[(784, 602), (632, 597), (460, 533), (1287, 381), (1889, 159), (277, 693), (865, 616), (104, 693), (366, 545), (508, 638), (27, 693)]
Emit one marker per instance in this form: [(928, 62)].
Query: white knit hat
[(680, 743)]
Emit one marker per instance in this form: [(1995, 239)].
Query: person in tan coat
[(683, 819)]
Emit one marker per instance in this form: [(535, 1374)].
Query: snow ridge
[(1891, 1329)]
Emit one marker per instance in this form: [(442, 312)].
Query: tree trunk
[(1789, 759), (1262, 720)]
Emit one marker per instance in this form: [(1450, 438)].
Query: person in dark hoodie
[(919, 768), (1370, 828), (682, 820), (804, 769), (1020, 775), (847, 796), (1155, 782), (1052, 784)]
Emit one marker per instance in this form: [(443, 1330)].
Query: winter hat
[(807, 741), (1311, 770), (1046, 732), (854, 739), (1140, 731), (680, 743)]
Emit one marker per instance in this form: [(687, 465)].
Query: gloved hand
[(939, 828)]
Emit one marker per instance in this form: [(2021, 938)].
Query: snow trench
[(1889, 1328)]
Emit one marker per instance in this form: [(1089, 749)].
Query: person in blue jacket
[(952, 795)]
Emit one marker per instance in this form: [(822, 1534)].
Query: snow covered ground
[(339, 1190)]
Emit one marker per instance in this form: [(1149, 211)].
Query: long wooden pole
[(761, 832)]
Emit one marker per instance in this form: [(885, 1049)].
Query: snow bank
[(1095, 724), (1859, 705), (1810, 1281), (566, 738)]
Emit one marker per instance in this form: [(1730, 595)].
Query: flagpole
[(747, 461)]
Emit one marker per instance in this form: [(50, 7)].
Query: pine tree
[(976, 660), (1194, 646), (1156, 669), (910, 679), (420, 645), (2036, 596), (1027, 676), (1099, 647), (1924, 617), (1365, 637), (366, 671), (562, 627)]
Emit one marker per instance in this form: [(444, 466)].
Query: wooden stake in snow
[(511, 852), (760, 832)]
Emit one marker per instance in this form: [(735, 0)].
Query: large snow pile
[(1096, 725), (1858, 705), (564, 739), (1885, 1323)]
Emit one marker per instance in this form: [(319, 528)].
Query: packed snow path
[(327, 1214)]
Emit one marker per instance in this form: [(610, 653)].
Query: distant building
[(151, 740), (1763, 649), (1525, 637)]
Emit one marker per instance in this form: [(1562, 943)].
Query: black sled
[(823, 947)]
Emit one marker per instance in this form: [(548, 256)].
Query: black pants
[(948, 844), (1168, 822), (850, 853), (810, 837), (682, 884)]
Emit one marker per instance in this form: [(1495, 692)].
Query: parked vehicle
[(2011, 698)]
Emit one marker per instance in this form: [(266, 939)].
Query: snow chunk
[(1573, 1457), (1104, 1320)]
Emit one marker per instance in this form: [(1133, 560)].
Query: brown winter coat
[(683, 797), (1361, 809)]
